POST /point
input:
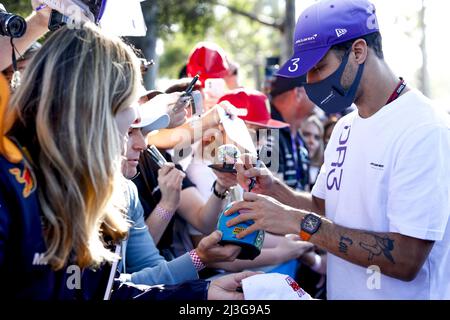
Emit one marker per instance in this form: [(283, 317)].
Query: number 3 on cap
[(294, 67)]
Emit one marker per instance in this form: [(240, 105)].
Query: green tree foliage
[(177, 47), (246, 40), (181, 24), (20, 7), (191, 17)]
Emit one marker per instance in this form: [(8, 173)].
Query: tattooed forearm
[(344, 242), (379, 245)]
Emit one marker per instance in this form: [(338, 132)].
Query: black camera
[(11, 25)]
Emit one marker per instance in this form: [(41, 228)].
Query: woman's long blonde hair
[(63, 113)]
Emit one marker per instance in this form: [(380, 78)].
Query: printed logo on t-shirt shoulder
[(377, 166), (24, 177), (334, 177)]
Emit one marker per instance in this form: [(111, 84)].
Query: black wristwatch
[(309, 225), (217, 194)]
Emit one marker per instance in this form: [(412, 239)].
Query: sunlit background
[(401, 25), (402, 34), (177, 25)]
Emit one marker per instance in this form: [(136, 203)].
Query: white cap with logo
[(273, 286), (150, 119)]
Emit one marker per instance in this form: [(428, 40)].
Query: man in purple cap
[(381, 205)]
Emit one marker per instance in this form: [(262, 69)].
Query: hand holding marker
[(186, 97), (253, 180)]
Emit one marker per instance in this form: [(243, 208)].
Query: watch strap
[(304, 235)]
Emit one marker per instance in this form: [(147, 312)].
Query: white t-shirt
[(390, 173)]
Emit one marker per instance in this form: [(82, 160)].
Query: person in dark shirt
[(176, 198), (289, 103), (150, 195)]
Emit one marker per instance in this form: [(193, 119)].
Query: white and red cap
[(257, 105), (151, 117), (208, 60), (273, 286)]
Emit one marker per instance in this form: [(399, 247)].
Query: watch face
[(311, 223)]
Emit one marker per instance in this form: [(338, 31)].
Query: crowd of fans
[(173, 208), (78, 133)]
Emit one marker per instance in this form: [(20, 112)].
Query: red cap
[(209, 61), (257, 106)]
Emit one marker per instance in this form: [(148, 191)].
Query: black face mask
[(329, 95)]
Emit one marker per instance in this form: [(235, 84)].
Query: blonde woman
[(62, 205)]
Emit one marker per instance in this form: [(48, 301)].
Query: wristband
[(217, 194), (196, 261), (163, 213)]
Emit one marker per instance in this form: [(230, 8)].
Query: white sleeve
[(319, 188), (419, 190)]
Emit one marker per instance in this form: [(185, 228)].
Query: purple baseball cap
[(324, 24)]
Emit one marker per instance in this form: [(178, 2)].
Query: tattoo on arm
[(344, 242), (380, 245)]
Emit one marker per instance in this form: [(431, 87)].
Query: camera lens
[(16, 27), (11, 25)]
